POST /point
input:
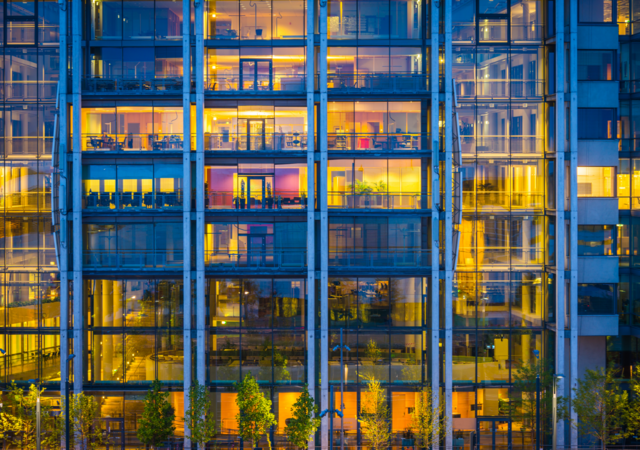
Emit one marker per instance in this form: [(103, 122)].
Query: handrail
[(381, 258), (127, 259), (132, 142), (229, 259), (266, 141), (457, 179), (378, 141), (132, 200), (55, 163), (221, 200), (376, 82), (378, 200)]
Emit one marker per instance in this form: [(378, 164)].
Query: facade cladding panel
[(294, 173)]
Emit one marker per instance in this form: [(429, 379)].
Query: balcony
[(132, 201), (378, 142), (398, 83), (379, 200), (129, 86), (133, 259), (502, 201), (151, 142), (282, 200), (255, 84), (272, 260), (261, 142), (395, 259)]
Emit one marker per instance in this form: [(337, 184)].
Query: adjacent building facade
[(213, 188)]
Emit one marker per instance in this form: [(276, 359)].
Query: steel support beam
[(186, 211)]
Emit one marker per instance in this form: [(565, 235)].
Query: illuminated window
[(595, 181)]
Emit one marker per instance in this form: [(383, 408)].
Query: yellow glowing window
[(595, 181)]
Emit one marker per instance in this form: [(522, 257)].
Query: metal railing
[(133, 142), (384, 259), (104, 201), (277, 259), (378, 200), (377, 82), (247, 84), (132, 259), (232, 142), (500, 200), (231, 200), (132, 85), (378, 141)]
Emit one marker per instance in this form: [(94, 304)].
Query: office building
[(221, 187)]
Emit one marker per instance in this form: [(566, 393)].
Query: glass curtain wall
[(500, 285), (29, 282)]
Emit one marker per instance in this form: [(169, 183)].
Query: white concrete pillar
[(324, 227), (76, 175), (448, 237), (186, 208), (434, 281), (560, 204)]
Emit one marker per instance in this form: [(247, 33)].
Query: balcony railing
[(283, 260), (485, 144), (132, 85), (132, 259), (499, 88), (221, 200), (249, 84), (378, 141), (132, 142), (502, 201), (135, 201), (232, 142), (382, 259), (401, 82), (378, 200)]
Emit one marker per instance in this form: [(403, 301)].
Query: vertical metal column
[(434, 282), (62, 200), (448, 228), (324, 226), (560, 200), (76, 174), (573, 173), (199, 238), (311, 197), (186, 207)]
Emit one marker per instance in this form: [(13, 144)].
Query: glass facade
[(219, 188)]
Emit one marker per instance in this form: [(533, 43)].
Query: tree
[(255, 416), (522, 405), (374, 415), (198, 418), (304, 421), (633, 412), (84, 412), (602, 407), (428, 421), (18, 420), (155, 425)]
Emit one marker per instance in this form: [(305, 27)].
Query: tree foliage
[(255, 416), (156, 425), (84, 412), (304, 421), (198, 417), (522, 404), (602, 407), (428, 421), (18, 420), (374, 415)]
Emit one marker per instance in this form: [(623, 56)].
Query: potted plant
[(269, 199), (381, 188)]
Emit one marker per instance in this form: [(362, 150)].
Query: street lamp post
[(556, 379), (331, 411), (67, 435), (37, 383)]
